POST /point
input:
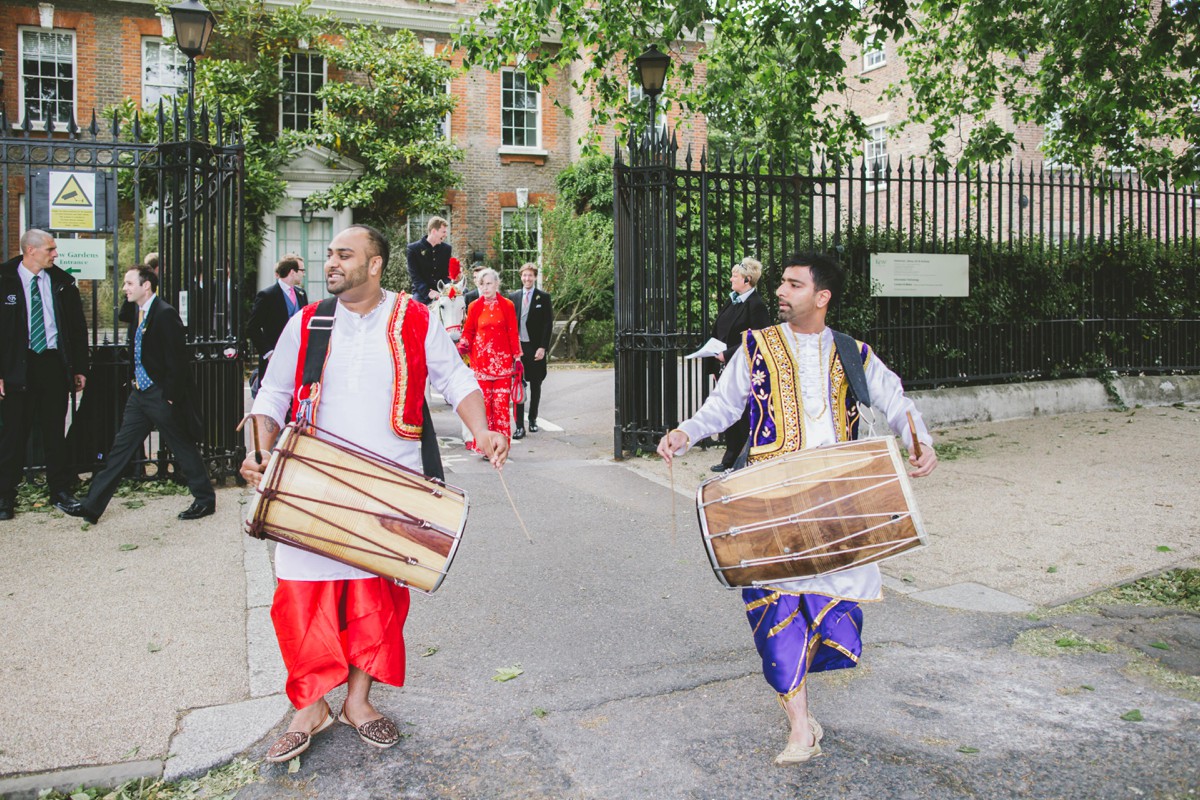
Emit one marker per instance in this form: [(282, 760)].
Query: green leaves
[(507, 673), (1134, 715)]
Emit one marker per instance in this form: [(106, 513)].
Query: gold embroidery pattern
[(784, 399)]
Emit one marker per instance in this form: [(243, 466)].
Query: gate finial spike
[(72, 128), (94, 128)]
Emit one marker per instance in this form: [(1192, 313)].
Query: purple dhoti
[(801, 633)]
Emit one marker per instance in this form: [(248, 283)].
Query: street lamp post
[(652, 74), (193, 27)]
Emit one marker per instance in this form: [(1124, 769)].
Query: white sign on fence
[(86, 259), (919, 275)]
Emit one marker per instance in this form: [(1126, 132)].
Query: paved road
[(640, 679)]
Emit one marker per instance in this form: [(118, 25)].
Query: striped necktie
[(37, 324)]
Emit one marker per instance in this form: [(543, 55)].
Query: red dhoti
[(325, 627), (497, 404)]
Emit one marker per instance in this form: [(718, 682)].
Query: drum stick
[(253, 434), (916, 443), (671, 473), (516, 513)]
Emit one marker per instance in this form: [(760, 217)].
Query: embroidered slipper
[(818, 731), (293, 743), (797, 754), (381, 733)]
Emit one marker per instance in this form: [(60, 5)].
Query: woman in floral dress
[(491, 338)]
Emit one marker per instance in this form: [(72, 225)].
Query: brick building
[(72, 56)]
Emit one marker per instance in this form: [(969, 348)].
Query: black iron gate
[(1123, 258), (175, 184)]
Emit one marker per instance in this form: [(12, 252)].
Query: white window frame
[(874, 55), (508, 213), (875, 154), (162, 89), (526, 148), (21, 31), (637, 97), (291, 56), (421, 218), (446, 122)]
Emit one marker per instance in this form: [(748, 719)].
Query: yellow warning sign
[(71, 194), (72, 201)]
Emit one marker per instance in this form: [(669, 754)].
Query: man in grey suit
[(535, 319)]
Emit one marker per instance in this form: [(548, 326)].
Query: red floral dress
[(491, 338)]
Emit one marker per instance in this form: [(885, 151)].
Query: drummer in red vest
[(798, 389), (337, 624)]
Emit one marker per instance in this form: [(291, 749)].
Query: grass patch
[(222, 782), (1055, 641), (1142, 667), (952, 449), (34, 496), (1176, 588)]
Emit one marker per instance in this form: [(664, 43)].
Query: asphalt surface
[(638, 675)]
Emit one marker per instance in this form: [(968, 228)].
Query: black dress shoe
[(718, 468), (67, 503), (533, 428), (198, 509), (6, 509), (81, 511), (519, 433)]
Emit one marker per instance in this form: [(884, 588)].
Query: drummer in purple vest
[(793, 379)]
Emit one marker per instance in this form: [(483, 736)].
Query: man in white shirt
[(813, 624), (335, 623)]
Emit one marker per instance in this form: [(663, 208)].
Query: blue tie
[(139, 372)]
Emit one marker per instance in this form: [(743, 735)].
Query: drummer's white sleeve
[(887, 396), (725, 405), (275, 394), (448, 375)]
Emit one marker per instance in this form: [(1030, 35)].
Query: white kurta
[(356, 403), (812, 353)]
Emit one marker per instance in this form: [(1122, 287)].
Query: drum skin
[(361, 510), (811, 513)]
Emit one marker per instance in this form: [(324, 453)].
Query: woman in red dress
[(491, 338)]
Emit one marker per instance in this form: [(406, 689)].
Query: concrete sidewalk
[(160, 659)]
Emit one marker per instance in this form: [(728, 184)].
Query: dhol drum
[(815, 512), (362, 510)]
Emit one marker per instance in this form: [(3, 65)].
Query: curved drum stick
[(916, 443)]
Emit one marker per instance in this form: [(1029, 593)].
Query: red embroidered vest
[(406, 330)]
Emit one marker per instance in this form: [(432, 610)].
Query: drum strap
[(314, 366), (852, 365)]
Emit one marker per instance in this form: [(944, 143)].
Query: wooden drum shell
[(809, 514), (358, 509)]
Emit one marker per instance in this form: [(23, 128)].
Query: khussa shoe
[(293, 743), (381, 733), (798, 753)]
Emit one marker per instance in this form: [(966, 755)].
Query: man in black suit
[(43, 357), (274, 306), (429, 261), (160, 398), (535, 319), (745, 311)]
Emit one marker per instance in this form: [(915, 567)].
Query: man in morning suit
[(274, 306), (160, 397), (535, 318), (745, 312), (43, 357), (429, 261)]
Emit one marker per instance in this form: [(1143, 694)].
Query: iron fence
[(175, 186), (1071, 273)]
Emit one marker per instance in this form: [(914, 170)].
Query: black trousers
[(146, 410), (42, 406), (535, 373), (735, 439)]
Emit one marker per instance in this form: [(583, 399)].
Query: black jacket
[(540, 321), (427, 264), (165, 358), (268, 316), (736, 318), (14, 325)]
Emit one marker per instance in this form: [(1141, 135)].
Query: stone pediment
[(319, 165)]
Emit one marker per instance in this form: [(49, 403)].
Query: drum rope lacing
[(810, 479)]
